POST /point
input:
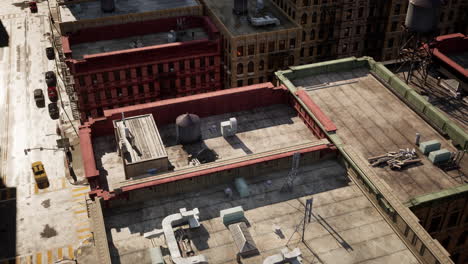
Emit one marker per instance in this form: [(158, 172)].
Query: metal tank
[(421, 16), (107, 6), (188, 128)]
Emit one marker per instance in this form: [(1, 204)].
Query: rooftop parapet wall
[(450, 44), (427, 111)]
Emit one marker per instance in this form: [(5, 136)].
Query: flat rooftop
[(92, 9), (260, 130), (239, 25), (373, 121), (345, 227), (147, 141), (138, 41)]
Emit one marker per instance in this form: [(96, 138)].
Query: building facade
[(133, 63)]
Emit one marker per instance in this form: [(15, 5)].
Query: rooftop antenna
[(123, 118)]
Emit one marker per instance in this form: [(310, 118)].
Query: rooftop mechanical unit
[(264, 21), (421, 16)]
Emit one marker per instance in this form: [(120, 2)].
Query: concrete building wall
[(110, 80), (141, 168)]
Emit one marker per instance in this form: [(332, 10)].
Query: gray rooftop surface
[(238, 25), (346, 228), (148, 143), (373, 121), (460, 58), (92, 9), (260, 130), (139, 41)]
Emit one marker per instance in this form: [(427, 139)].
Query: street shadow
[(8, 220), (4, 37)]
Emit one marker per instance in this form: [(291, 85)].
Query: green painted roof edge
[(431, 197)]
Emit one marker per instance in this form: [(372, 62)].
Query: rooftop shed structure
[(140, 146)]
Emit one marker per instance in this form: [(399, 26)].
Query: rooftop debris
[(396, 160)]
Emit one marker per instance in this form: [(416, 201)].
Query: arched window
[(293, 14), (240, 68), (261, 65), (291, 60), (312, 34), (303, 35), (314, 17), (323, 16), (250, 67), (304, 19)]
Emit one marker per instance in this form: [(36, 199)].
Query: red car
[(52, 93), (33, 6)]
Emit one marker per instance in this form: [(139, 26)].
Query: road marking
[(83, 230), (49, 257), (70, 252), (80, 211), (80, 189), (81, 216), (64, 183), (28, 259), (59, 253), (85, 236), (82, 223), (78, 194), (36, 189), (38, 258)]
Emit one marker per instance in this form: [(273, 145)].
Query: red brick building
[(120, 65)]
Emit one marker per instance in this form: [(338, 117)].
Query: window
[(149, 70), (302, 52), (130, 90), (202, 62), (239, 83), (260, 79), (312, 34), (323, 17), (453, 219), (141, 89), (321, 33), (212, 76), (349, 14), (271, 46), (128, 74), (160, 68), (240, 51), (181, 65), (203, 78), (435, 223), (81, 80), (344, 48), (303, 35), (270, 64), (442, 16), (105, 76), (390, 43), (151, 87), (462, 238), (119, 92), (314, 17), (361, 12), (292, 43), (358, 30), (305, 2), (291, 60), (319, 50), (94, 78), (346, 31), (261, 48), (330, 32), (84, 97), (394, 26), (422, 250), (250, 67), (251, 49), (311, 51), (397, 9), (304, 19), (261, 65), (250, 81), (211, 61), (182, 83), (108, 93), (355, 46), (450, 16), (192, 64), (193, 81), (240, 68), (282, 44)]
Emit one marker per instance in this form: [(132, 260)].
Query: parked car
[(50, 78), (40, 176), (50, 53), (53, 111), (39, 98), (52, 93), (33, 6)]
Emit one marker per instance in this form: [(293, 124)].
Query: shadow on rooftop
[(7, 223)]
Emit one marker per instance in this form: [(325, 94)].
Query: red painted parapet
[(87, 154), (448, 44), (328, 125)]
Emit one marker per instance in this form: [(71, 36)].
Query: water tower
[(419, 31)]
